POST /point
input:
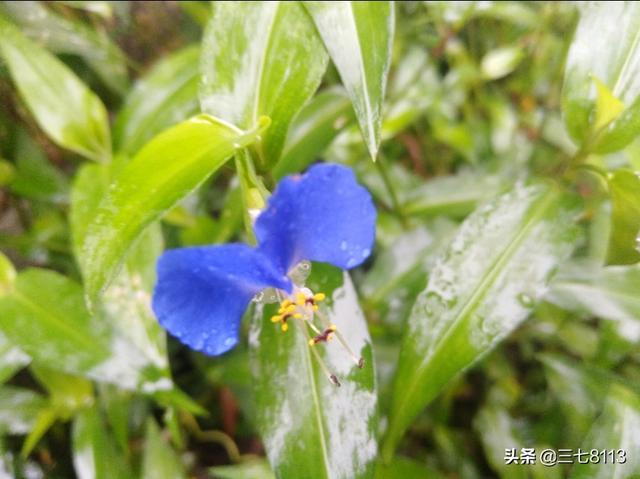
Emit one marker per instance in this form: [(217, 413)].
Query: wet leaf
[(167, 169), (64, 35), (359, 36), (455, 195), (307, 423), (616, 430), (605, 48), (609, 293), (260, 59), (624, 188), (18, 409), (71, 114), (160, 460), (95, 453), (479, 291), (166, 95), (314, 127)]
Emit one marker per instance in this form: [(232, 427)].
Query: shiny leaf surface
[(71, 114), (260, 59), (167, 169), (358, 36), (605, 48), (481, 289), (307, 423)]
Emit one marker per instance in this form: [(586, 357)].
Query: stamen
[(332, 377), (359, 361)]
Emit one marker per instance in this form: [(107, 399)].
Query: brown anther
[(324, 336)]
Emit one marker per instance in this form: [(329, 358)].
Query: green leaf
[(45, 315), (624, 187), (166, 95), (95, 453), (64, 35), (454, 196), (160, 460), (67, 394), (7, 274), (18, 409), (12, 358), (307, 423), (606, 46), (167, 169), (259, 59), (71, 114), (35, 176), (258, 469), (616, 429), (480, 290), (580, 391), (609, 293), (359, 36), (501, 62), (498, 432), (313, 129), (405, 467)]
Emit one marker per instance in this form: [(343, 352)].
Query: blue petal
[(202, 293), (323, 215)]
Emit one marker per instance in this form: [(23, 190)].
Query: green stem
[(395, 203), (254, 193)]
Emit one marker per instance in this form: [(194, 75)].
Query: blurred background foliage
[(474, 109)]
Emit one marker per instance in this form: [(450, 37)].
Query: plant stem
[(384, 174)]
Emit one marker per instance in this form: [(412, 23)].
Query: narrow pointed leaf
[(606, 49), (64, 107), (64, 35), (167, 169), (609, 293), (314, 127), (482, 287), (166, 95), (160, 460), (260, 58), (95, 452), (359, 36), (616, 429), (306, 422), (624, 187)]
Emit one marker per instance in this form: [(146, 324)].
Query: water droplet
[(525, 300), (343, 245), (229, 342), (366, 252)]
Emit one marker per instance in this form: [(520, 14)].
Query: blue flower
[(202, 292)]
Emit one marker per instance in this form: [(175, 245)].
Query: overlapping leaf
[(306, 422), (480, 290), (358, 36), (259, 59)]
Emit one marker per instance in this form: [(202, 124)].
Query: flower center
[(304, 306)]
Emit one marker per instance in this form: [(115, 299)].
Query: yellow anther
[(284, 327), (297, 316), (285, 303), (319, 296), (329, 337), (315, 307), (333, 328), (301, 299), (311, 342), (276, 319)]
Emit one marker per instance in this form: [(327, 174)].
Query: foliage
[(501, 305)]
